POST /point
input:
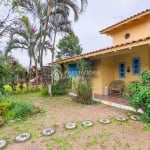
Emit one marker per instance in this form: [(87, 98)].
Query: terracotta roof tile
[(104, 49), (103, 30)]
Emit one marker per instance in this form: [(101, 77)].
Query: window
[(73, 70), (136, 67), (127, 36), (122, 70)]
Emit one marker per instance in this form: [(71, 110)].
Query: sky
[(98, 15)]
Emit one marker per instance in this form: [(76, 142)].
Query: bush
[(8, 89), (44, 92), (139, 95), (84, 93), (59, 88), (20, 110), (145, 77), (4, 107), (11, 109)]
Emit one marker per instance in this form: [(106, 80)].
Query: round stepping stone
[(87, 123), (47, 132), (105, 121), (135, 117), (70, 125), (2, 143), (121, 118), (23, 137)]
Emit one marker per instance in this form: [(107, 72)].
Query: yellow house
[(126, 58)]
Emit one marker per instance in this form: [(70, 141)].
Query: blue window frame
[(122, 70), (136, 66), (73, 70)]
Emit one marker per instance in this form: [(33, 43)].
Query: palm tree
[(22, 38), (53, 18), (59, 24), (50, 14), (59, 11)]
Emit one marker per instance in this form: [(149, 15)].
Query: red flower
[(33, 30)]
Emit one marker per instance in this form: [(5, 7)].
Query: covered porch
[(114, 100)]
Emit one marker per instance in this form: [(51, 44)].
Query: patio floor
[(115, 101)]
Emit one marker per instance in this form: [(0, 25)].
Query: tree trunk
[(44, 37)]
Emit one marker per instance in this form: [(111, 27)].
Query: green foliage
[(44, 92), (25, 20), (6, 68), (19, 110), (6, 71), (69, 46), (83, 87), (59, 88), (146, 127), (138, 95), (8, 89), (4, 107), (145, 77), (84, 93), (2, 75), (12, 109), (85, 69), (48, 147)]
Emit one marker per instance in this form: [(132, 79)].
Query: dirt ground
[(130, 135)]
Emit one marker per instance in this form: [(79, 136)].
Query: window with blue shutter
[(136, 66), (73, 70), (122, 70)]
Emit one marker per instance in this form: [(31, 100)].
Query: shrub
[(4, 107), (139, 95), (84, 88), (145, 77), (14, 109), (44, 92), (8, 89), (84, 92), (59, 88)]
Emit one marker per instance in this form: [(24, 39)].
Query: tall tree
[(52, 17), (6, 69), (68, 46), (23, 38), (44, 10)]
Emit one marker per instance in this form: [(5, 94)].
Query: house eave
[(108, 50)]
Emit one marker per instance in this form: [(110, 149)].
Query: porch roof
[(124, 22), (116, 48)]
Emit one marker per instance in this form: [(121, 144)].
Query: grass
[(146, 128), (61, 142), (94, 141), (60, 110), (48, 147)]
